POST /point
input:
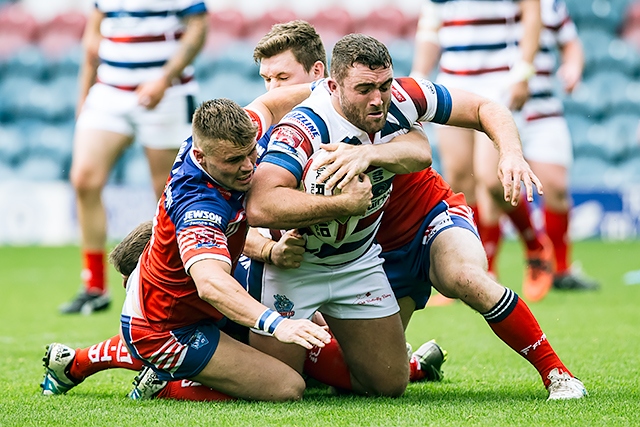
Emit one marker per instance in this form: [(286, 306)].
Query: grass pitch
[(597, 334)]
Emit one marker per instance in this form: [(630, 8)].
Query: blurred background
[(40, 54)]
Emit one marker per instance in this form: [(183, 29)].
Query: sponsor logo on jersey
[(284, 146), (202, 217), (397, 94), (287, 135), (168, 198), (284, 306), (304, 122)]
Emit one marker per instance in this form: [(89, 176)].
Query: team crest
[(198, 340), (284, 306)]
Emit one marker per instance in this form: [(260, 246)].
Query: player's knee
[(393, 383), (292, 388), (391, 388), (84, 180)]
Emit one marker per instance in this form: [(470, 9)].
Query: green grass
[(596, 334)]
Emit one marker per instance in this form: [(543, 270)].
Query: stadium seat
[(590, 98), (385, 24), (12, 146), (621, 139), (332, 24), (17, 29), (27, 62), (630, 169), (588, 173), (39, 168), (62, 33), (12, 90), (596, 42), (261, 25), (401, 51), (236, 57), (232, 86), (135, 168), (224, 27), (605, 14), (52, 141), (579, 127)]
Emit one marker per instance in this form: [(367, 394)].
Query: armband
[(268, 321)]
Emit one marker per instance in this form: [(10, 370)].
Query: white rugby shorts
[(356, 290), (547, 140), (116, 110)]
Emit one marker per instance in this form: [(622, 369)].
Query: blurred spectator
[(136, 81)]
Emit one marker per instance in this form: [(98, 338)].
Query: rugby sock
[(512, 321), (326, 364), (522, 221), (191, 390), (108, 354), (557, 225), (491, 237), (415, 370), (93, 272)]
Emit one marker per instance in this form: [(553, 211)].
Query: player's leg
[(539, 272), (94, 155), (375, 352), (244, 372), (458, 270), (161, 131), (65, 367), (455, 146), (547, 148)]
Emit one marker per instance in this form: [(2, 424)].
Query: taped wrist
[(268, 321)]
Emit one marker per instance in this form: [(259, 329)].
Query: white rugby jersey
[(478, 37), (558, 29), (139, 36), (315, 121)]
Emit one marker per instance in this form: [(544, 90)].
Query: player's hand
[(570, 75), (302, 332), (287, 252), (518, 95), (151, 93), (343, 163), (359, 194), (514, 170)]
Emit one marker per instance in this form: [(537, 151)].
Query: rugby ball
[(332, 232)]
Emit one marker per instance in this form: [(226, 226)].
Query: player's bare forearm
[(275, 202), (89, 67), (254, 245), (277, 102), (531, 27), (190, 45)]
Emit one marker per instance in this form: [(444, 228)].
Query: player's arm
[(89, 67), (151, 93), (274, 200), (572, 65), (523, 69), (277, 102), (427, 42), (217, 287), (406, 153), (473, 111)]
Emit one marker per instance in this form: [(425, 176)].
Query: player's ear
[(332, 84), (317, 70), (199, 155)]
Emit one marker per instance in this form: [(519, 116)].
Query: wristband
[(521, 71), (266, 251), (268, 321)]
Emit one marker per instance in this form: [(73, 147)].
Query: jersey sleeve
[(200, 232), (567, 31), (293, 140), (259, 121), (191, 7), (422, 100)]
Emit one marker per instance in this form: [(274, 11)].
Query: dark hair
[(298, 36), (358, 49), (221, 119), (125, 255)]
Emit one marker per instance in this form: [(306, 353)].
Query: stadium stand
[(39, 62)]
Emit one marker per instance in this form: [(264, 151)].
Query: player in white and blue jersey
[(360, 105), (546, 141), (136, 81)]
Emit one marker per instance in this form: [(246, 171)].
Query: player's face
[(283, 70), (364, 96), (230, 166)]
